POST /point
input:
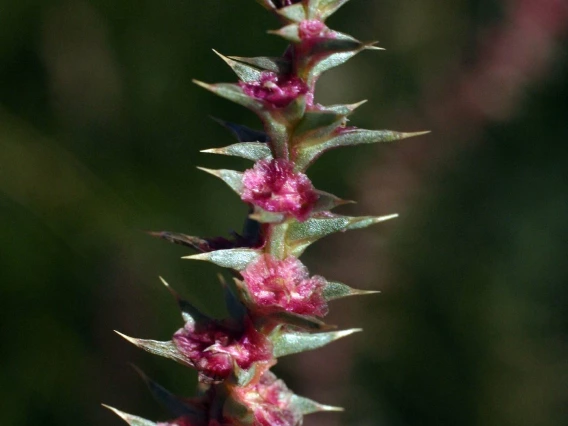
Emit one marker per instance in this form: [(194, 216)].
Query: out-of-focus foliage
[(100, 129)]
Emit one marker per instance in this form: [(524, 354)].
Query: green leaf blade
[(254, 151), (130, 419), (293, 342), (234, 93), (307, 406), (237, 259), (231, 177), (336, 290), (309, 151)]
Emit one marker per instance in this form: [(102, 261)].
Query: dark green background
[(100, 132)]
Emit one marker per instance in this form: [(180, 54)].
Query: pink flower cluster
[(312, 28), (277, 90), (269, 401), (212, 348), (285, 285), (274, 186)]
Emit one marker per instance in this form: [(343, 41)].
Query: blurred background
[(100, 132)]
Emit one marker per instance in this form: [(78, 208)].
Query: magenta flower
[(275, 187), (212, 348), (276, 90), (269, 400), (312, 28), (285, 285)]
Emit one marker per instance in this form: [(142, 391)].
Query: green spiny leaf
[(175, 405), (292, 342), (232, 178), (130, 419), (254, 151), (365, 221), (302, 234), (314, 120), (301, 321), (245, 72), (232, 92), (307, 406), (233, 258), (326, 8), (294, 13), (309, 151), (163, 349), (189, 313), (289, 32), (332, 61), (196, 243), (328, 202), (335, 290), (277, 65), (344, 109), (335, 43)]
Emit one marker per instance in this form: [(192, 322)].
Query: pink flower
[(285, 285), (269, 401), (274, 89), (213, 347), (275, 187), (312, 28)]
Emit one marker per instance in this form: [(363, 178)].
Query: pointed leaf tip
[(128, 338), (372, 46), (356, 105), (164, 349), (231, 177), (232, 258), (292, 342), (307, 406), (414, 134), (244, 72), (232, 92), (199, 256), (336, 290), (129, 418), (174, 405), (210, 171), (166, 284), (189, 313), (254, 151), (203, 84), (277, 65)]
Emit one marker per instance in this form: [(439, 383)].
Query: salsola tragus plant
[(275, 306)]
